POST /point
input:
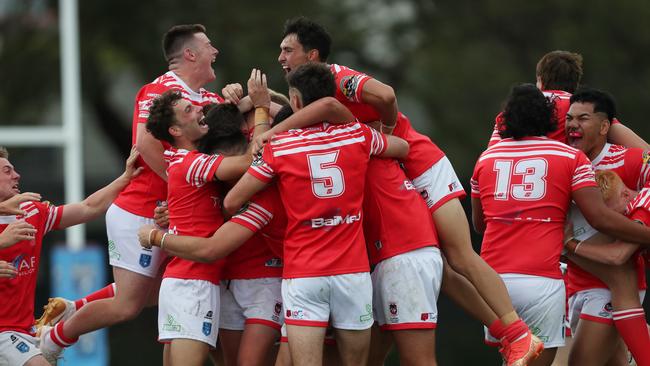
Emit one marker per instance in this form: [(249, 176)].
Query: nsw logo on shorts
[(22, 347), (207, 328), (145, 260)]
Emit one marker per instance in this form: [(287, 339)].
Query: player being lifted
[(521, 190)]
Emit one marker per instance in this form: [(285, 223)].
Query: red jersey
[(147, 190), (194, 208), (422, 153), (17, 305), (396, 219), (561, 102), (633, 166), (525, 188), (261, 256), (322, 172)]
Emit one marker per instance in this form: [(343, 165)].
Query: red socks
[(57, 336), (515, 330), (631, 325), (105, 293), (496, 329)]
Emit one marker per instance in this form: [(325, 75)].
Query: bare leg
[(416, 347), (465, 295), (284, 357), (453, 230), (306, 345), (131, 296), (38, 360), (562, 355), (545, 359), (230, 340), (188, 352), (216, 356), (593, 344), (256, 346), (381, 343), (353, 346)]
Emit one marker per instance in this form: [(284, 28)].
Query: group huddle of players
[(326, 222)]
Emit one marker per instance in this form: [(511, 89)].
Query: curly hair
[(311, 35), (560, 70), (162, 116), (527, 113), (609, 182), (225, 135)]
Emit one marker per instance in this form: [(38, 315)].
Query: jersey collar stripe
[(314, 135), (319, 147), (304, 142)]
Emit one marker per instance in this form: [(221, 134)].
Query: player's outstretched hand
[(7, 270), (131, 171), (161, 215), (233, 93), (16, 231), (258, 90), (144, 235), (12, 205)]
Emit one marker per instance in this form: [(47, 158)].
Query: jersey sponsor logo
[(13, 339), (207, 328), (428, 316), (22, 347), (452, 186), (367, 317), (408, 185), (208, 315), (349, 85), (646, 157), (145, 260), (273, 262), (335, 220), (172, 325), (24, 265), (258, 159), (297, 314)]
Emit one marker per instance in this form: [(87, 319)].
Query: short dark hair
[(313, 80), (284, 113), (176, 38), (603, 102), (527, 113), (560, 70), (225, 134), (162, 116), (4, 153), (311, 35)]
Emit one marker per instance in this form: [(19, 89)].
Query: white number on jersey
[(326, 178), (533, 182)]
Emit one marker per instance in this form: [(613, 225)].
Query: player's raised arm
[(620, 134), (245, 188), (382, 98), (98, 202)]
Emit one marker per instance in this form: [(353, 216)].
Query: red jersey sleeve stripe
[(262, 172), (245, 222), (53, 218), (378, 143), (474, 186)]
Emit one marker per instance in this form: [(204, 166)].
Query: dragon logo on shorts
[(278, 308), (22, 347), (207, 328), (392, 307), (145, 260), (607, 310)]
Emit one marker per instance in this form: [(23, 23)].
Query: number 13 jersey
[(321, 171), (525, 188)]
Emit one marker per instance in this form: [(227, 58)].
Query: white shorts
[(540, 303), (255, 301), (406, 288), (593, 305), (343, 300), (17, 348), (124, 249), (188, 309), (439, 184)]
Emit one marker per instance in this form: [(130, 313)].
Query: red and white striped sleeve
[(583, 174), (639, 208), (53, 219), (202, 169), (378, 142), (256, 214), (260, 168)]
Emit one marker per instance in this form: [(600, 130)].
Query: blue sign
[(76, 274)]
